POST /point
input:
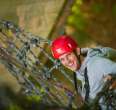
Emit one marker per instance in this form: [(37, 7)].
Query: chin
[(73, 69)]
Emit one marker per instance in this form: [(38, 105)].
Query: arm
[(106, 52), (109, 52), (109, 69)]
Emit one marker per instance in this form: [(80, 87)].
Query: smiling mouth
[(71, 64)]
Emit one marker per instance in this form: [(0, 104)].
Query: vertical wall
[(35, 16)]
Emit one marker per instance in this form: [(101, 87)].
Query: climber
[(93, 66)]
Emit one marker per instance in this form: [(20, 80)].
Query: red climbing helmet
[(61, 45)]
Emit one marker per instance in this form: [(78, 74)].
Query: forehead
[(65, 55)]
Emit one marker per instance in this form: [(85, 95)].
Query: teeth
[(71, 64)]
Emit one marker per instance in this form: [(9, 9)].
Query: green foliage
[(14, 107), (82, 37), (76, 9), (77, 21), (79, 2), (114, 10), (35, 98), (97, 8)]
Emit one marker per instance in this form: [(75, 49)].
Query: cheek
[(63, 62), (76, 60)]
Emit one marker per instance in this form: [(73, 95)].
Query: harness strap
[(75, 82), (87, 86)]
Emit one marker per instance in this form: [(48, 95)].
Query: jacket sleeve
[(106, 52), (109, 52)]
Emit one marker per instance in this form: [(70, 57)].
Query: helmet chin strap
[(81, 53)]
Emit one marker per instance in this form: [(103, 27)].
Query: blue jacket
[(99, 62)]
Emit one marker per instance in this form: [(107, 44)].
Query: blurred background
[(90, 22)]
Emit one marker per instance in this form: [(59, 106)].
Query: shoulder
[(100, 51)]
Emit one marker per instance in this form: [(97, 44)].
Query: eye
[(61, 59)]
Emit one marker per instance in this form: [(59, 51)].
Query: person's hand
[(109, 78), (113, 86)]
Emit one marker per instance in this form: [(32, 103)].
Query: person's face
[(70, 60)]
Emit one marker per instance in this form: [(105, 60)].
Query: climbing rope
[(25, 57)]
